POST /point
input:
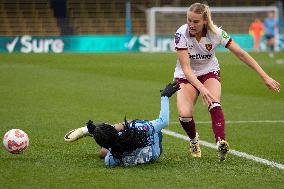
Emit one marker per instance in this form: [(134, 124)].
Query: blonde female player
[(198, 72)]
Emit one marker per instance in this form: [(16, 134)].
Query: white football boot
[(76, 134)]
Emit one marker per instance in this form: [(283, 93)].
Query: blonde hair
[(204, 10)]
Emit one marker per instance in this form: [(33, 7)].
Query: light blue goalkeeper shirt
[(269, 26), (149, 153)]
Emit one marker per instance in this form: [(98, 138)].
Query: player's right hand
[(272, 84), (207, 97)]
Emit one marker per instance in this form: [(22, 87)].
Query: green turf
[(46, 95)]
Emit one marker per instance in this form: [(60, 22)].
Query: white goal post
[(166, 20)]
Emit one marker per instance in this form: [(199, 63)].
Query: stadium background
[(114, 26)]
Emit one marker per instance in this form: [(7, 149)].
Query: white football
[(16, 141)]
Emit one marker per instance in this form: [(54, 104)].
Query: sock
[(195, 140), (85, 130), (90, 128), (188, 125), (272, 48), (218, 120)]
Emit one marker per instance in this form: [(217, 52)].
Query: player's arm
[(163, 120), (246, 58), (207, 97)]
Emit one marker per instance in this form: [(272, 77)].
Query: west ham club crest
[(208, 46)]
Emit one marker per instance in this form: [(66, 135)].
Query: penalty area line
[(234, 152)]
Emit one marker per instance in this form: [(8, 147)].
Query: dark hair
[(128, 140), (131, 138), (105, 135)]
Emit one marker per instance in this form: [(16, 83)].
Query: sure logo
[(28, 44)]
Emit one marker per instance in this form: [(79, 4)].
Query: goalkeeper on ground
[(131, 142)]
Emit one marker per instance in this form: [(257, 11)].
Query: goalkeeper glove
[(170, 89)]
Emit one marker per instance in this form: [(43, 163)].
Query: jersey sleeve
[(180, 41), (225, 39), (163, 120)]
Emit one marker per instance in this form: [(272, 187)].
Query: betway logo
[(28, 44), (200, 56)]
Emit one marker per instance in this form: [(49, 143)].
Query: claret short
[(202, 78)]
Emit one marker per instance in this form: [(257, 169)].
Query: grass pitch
[(46, 95)]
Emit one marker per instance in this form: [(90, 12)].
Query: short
[(202, 78), (268, 36)]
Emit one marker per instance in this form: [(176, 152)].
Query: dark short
[(202, 78), (269, 36)]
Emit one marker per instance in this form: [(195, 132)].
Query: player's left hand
[(272, 84)]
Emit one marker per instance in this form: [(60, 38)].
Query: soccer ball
[(16, 141)]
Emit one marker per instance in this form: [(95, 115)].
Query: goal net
[(164, 21)]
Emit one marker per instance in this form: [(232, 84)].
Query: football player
[(198, 72), (131, 142)]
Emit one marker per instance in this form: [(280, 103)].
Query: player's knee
[(213, 105), (183, 119), (103, 152), (185, 113)]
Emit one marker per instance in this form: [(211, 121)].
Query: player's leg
[(215, 109), (217, 117), (271, 46), (257, 41), (78, 133), (186, 99), (103, 152)]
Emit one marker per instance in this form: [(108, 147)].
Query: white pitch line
[(236, 122), (234, 152)]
